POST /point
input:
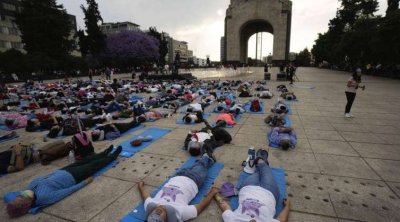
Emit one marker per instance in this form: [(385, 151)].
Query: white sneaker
[(351, 115), (347, 115)]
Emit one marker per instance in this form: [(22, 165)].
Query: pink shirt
[(227, 117)]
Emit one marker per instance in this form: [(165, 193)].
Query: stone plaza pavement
[(342, 169)]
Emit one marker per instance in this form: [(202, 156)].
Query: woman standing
[(352, 85)]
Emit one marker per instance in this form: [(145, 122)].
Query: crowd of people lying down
[(90, 111)]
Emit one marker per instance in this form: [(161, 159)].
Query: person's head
[(53, 133), (221, 123), (21, 204), (220, 108), (285, 144), (189, 109), (115, 80), (160, 213), (141, 119), (188, 120), (95, 135), (194, 148)]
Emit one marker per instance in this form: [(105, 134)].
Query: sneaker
[(262, 155), (351, 115), (209, 153), (347, 115)]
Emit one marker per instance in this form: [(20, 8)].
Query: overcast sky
[(201, 22)]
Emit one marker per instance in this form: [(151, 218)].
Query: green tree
[(94, 41), (162, 38), (303, 58), (45, 28)]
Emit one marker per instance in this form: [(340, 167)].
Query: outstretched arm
[(222, 204), (206, 201), (143, 193), (284, 215)]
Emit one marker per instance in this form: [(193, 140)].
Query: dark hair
[(221, 123), (188, 119), (194, 151), (189, 109), (220, 108), (53, 132), (285, 146), (14, 210), (141, 119), (356, 77), (95, 137)]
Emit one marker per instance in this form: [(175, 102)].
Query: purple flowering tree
[(133, 45)]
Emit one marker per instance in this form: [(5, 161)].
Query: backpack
[(255, 106), (70, 126), (81, 145)]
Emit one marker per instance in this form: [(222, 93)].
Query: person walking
[(352, 85)]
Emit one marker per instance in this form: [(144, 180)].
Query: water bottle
[(71, 156)]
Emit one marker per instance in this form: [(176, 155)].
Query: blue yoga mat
[(247, 108), (136, 98), (8, 139), (182, 122), (10, 196), (288, 122), (289, 107), (128, 150), (279, 176), (4, 127), (138, 214)]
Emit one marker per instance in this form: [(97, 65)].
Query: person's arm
[(284, 215), (206, 201), (285, 130), (222, 204), (143, 193)]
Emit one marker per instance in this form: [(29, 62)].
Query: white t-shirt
[(201, 137), (351, 88), (177, 193), (196, 107), (254, 203)]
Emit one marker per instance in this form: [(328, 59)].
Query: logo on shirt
[(251, 207), (170, 192)]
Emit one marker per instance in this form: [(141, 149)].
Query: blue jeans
[(262, 177), (198, 172), (112, 107)]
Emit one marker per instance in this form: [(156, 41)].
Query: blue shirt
[(277, 136), (53, 187)]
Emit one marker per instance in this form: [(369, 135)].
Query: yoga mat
[(138, 214), (10, 196), (303, 86), (136, 98), (8, 139), (128, 150), (279, 176), (288, 122), (247, 108), (289, 108), (141, 126), (182, 122)]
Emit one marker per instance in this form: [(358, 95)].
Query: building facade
[(112, 28), (222, 49), (178, 47), (10, 36), (200, 62)]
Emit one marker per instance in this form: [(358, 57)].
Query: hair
[(95, 136), (189, 109), (356, 77), (285, 144), (194, 150), (221, 123), (141, 119), (220, 108), (19, 209), (188, 119), (53, 132)]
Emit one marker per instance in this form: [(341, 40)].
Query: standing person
[(108, 73), (352, 85), (292, 69), (91, 74)]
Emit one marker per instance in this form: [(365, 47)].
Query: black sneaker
[(209, 153), (263, 155)]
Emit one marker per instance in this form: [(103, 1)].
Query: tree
[(83, 44), (163, 40), (133, 45), (393, 5), (94, 42), (45, 28), (303, 58)]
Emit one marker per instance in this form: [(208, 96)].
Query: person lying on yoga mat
[(113, 131), (258, 196), (265, 94), (197, 142), (195, 107), (228, 118), (17, 158), (155, 114), (285, 137), (171, 203), (47, 190), (275, 120), (280, 107), (289, 96), (193, 117), (229, 107)]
